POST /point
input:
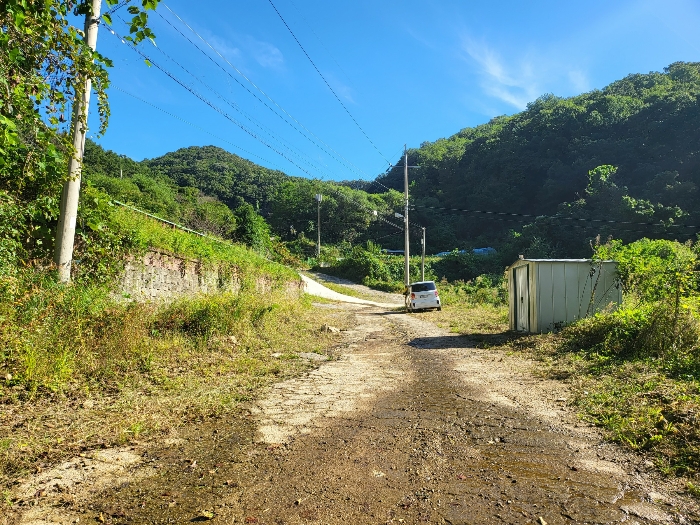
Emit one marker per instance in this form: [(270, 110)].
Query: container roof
[(562, 260), (581, 261)]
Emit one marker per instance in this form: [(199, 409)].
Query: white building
[(544, 294)]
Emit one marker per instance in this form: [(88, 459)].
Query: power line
[(575, 219), (196, 126), (241, 126), (343, 161), (326, 81), (329, 187), (237, 108), (209, 103), (232, 66), (118, 7), (321, 42)]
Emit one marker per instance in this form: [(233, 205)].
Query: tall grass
[(101, 372), (637, 368), (145, 233)]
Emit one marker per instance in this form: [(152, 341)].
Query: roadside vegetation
[(82, 368), (635, 371)]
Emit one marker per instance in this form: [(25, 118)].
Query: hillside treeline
[(620, 162), (205, 188), (537, 163)]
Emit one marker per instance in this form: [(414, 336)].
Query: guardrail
[(173, 224)]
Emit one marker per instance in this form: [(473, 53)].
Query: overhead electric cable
[(198, 127), (343, 161), (326, 81), (242, 127), (118, 7), (210, 104), (256, 87), (238, 109), (575, 219), (321, 42)]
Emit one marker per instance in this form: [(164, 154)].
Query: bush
[(484, 289), (654, 269), (658, 320), (466, 266)]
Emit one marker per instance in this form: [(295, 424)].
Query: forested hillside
[(645, 125), (205, 188)]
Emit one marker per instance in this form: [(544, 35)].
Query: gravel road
[(406, 423)]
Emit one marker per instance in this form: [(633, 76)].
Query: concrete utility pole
[(319, 198), (407, 267), (422, 257), (65, 232)]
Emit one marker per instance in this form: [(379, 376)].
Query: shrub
[(483, 289)]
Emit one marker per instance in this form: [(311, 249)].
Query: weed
[(693, 489), (7, 499)]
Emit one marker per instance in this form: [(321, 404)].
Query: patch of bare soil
[(408, 424)]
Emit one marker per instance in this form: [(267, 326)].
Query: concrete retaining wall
[(162, 276)]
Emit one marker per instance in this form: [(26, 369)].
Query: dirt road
[(404, 424)]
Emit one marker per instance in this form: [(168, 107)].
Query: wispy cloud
[(516, 85), (579, 81), (344, 91), (222, 45), (523, 79), (265, 53)]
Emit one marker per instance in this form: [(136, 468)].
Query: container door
[(522, 299)]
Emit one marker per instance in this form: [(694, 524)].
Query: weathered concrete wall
[(162, 276)]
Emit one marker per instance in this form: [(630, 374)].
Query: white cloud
[(344, 91), (266, 54), (516, 85), (232, 53), (579, 81)]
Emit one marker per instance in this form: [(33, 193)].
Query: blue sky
[(406, 71)]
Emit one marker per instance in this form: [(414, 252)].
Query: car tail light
[(436, 293), (413, 296)]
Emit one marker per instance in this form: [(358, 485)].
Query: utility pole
[(422, 257), (65, 232), (319, 198), (407, 267)]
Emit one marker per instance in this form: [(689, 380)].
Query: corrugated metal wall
[(571, 290), (562, 291)]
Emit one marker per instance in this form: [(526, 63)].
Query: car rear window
[(423, 287)]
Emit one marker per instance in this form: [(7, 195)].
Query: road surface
[(405, 424)]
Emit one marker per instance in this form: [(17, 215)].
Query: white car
[(422, 295)]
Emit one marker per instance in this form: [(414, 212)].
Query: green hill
[(532, 162), (535, 169)]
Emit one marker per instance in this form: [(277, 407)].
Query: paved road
[(408, 424), (315, 288)]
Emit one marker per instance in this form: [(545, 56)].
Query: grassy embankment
[(634, 372), (79, 369)]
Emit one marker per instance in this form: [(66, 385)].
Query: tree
[(43, 63), (251, 229)]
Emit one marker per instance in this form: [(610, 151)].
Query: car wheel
[(439, 308)]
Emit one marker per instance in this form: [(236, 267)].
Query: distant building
[(544, 294)]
